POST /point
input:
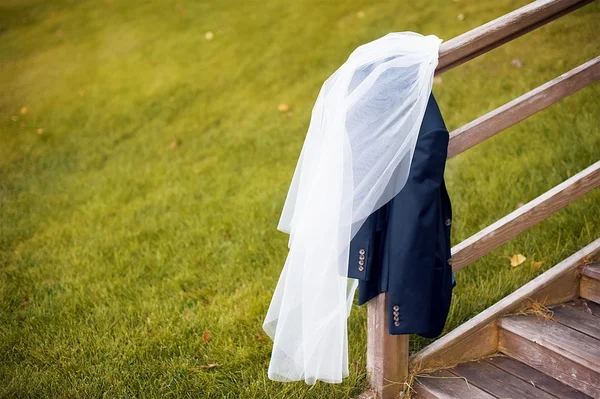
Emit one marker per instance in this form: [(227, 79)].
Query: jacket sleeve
[(413, 237)]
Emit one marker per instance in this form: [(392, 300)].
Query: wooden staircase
[(552, 353)]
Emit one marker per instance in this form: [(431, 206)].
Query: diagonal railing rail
[(388, 355)]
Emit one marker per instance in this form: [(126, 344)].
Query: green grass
[(117, 252)]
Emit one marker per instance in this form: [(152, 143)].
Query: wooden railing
[(388, 355)]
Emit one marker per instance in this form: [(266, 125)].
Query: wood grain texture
[(498, 382), (486, 37), (536, 378), (591, 271), (459, 337), (445, 385), (525, 217), (387, 355), (561, 290), (589, 307), (577, 319), (578, 347), (479, 343), (549, 362), (589, 288), (523, 107)]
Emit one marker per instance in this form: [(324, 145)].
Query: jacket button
[(448, 222), (361, 257), (397, 323), (361, 262), (450, 261), (361, 268), (396, 308), (361, 251)]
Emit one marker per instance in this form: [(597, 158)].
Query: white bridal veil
[(356, 157)]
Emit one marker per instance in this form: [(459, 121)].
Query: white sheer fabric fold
[(356, 157)]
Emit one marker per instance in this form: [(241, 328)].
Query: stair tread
[(589, 307), (495, 377), (497, 381), (445, 385), (570, 343), (536, 378), (577, 319)]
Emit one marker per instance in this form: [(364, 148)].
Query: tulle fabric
[(356, 157)]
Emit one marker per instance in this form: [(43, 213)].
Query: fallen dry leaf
[(517, 63), (174, 144), (283, 108), (517, 259), (21, 306), (260, 339), (461, 17), (23, 110), (187, 314), (209, 35), (206, 336), (14, 118), (209, 366), (536, 265), (360, 14), (40, 131)]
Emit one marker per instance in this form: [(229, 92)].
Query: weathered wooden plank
[(498, 382), (524, 217), (445, 385), (479, 343), (587, 306), (458, 338), (589, 288), (523, 107), (592, 271), (577, 319), (549, 362), (387, 355), (536, 378), (579, 347), (563, 289), (501, 30)]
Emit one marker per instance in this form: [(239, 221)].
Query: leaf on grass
[(209, 366), (461, 17), (536, 265), (206, 336), (40, 130), (23, 110), (14, 118), (517, 259), (21, 306), (187, 314), (174, 144), (437, 80), (260, 339), (360, 14), (283, 108), (209, 35)]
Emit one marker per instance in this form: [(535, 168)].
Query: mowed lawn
[(143, 169)]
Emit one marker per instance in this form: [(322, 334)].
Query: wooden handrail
[(387, 355), (487, 37), (523, 107), (525, 217)]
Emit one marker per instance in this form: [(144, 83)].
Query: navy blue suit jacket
[(404, 247)]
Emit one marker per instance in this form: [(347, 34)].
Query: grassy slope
[(117, 252)]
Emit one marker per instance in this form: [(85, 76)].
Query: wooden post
[(387, 355)]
